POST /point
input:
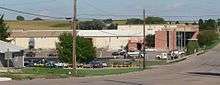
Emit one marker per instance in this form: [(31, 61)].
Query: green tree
[(108, 21), (192, 46), (207, 37), (134, 21), (20, 18), (155, 20), (177, 22), (150, 41), (218, 21), (91, 25), (209, 24), (112, 26), (201, 24), (85, 51), (4, 34)]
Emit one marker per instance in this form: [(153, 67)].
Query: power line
[(29, 3), (116, 15), (33, 14)]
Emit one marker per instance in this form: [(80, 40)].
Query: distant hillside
[(38, 25), (45, 24)]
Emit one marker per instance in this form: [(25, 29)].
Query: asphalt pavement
[(197, 70)]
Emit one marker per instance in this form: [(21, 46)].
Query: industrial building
[(167, 37)]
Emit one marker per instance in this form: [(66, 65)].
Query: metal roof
[(5, 46)]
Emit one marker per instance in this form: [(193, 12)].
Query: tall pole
[(74, 25), (144, 39)]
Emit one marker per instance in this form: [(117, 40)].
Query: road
[(198, 70)]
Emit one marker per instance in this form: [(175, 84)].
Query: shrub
[(20, 18), (207, 37), (192, 46), (85, 51)]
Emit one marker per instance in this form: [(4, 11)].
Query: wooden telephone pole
[(74, 26), (144, 40)]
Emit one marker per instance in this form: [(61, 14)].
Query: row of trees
[(21, 18), (148, 20), (98, 25), (209, 24), (208, 33)]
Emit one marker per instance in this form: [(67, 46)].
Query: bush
[(207, 37), (85, 51), (20, 18), (192, 46)]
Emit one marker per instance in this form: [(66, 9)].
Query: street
[(198, 70)]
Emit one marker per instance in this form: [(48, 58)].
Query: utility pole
[(144, 39), (74, 25)]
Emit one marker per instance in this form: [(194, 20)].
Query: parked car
[(141, 54), (61, 65), (162, 56), (132, 54), (121, 51), (177, 52), (95, 64), (104, 64), (115, 53), (50, 64), (28, 64)]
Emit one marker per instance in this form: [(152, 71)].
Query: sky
[(116, 9)]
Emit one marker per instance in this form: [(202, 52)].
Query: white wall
[(111, 43), (44, 43), (22, 42)]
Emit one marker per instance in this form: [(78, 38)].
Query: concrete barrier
[(5, 79)]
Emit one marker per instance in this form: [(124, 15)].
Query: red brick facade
[(165, 40)]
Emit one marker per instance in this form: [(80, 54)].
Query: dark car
[(50, 64), (28, 64), (96, 64), (115, 53)]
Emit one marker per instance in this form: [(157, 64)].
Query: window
[(31, 43), (168, 39)]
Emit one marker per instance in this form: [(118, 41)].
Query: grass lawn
[(52, 73), (120, 22), (216, 42)]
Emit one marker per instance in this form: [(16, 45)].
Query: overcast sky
[(112, 7)]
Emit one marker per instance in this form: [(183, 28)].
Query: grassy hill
[(38, 25), (45, 24)]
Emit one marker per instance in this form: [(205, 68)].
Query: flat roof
[(5, 46)]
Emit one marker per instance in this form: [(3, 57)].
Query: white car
[(162, 56), (61, 64), (133, 54)]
